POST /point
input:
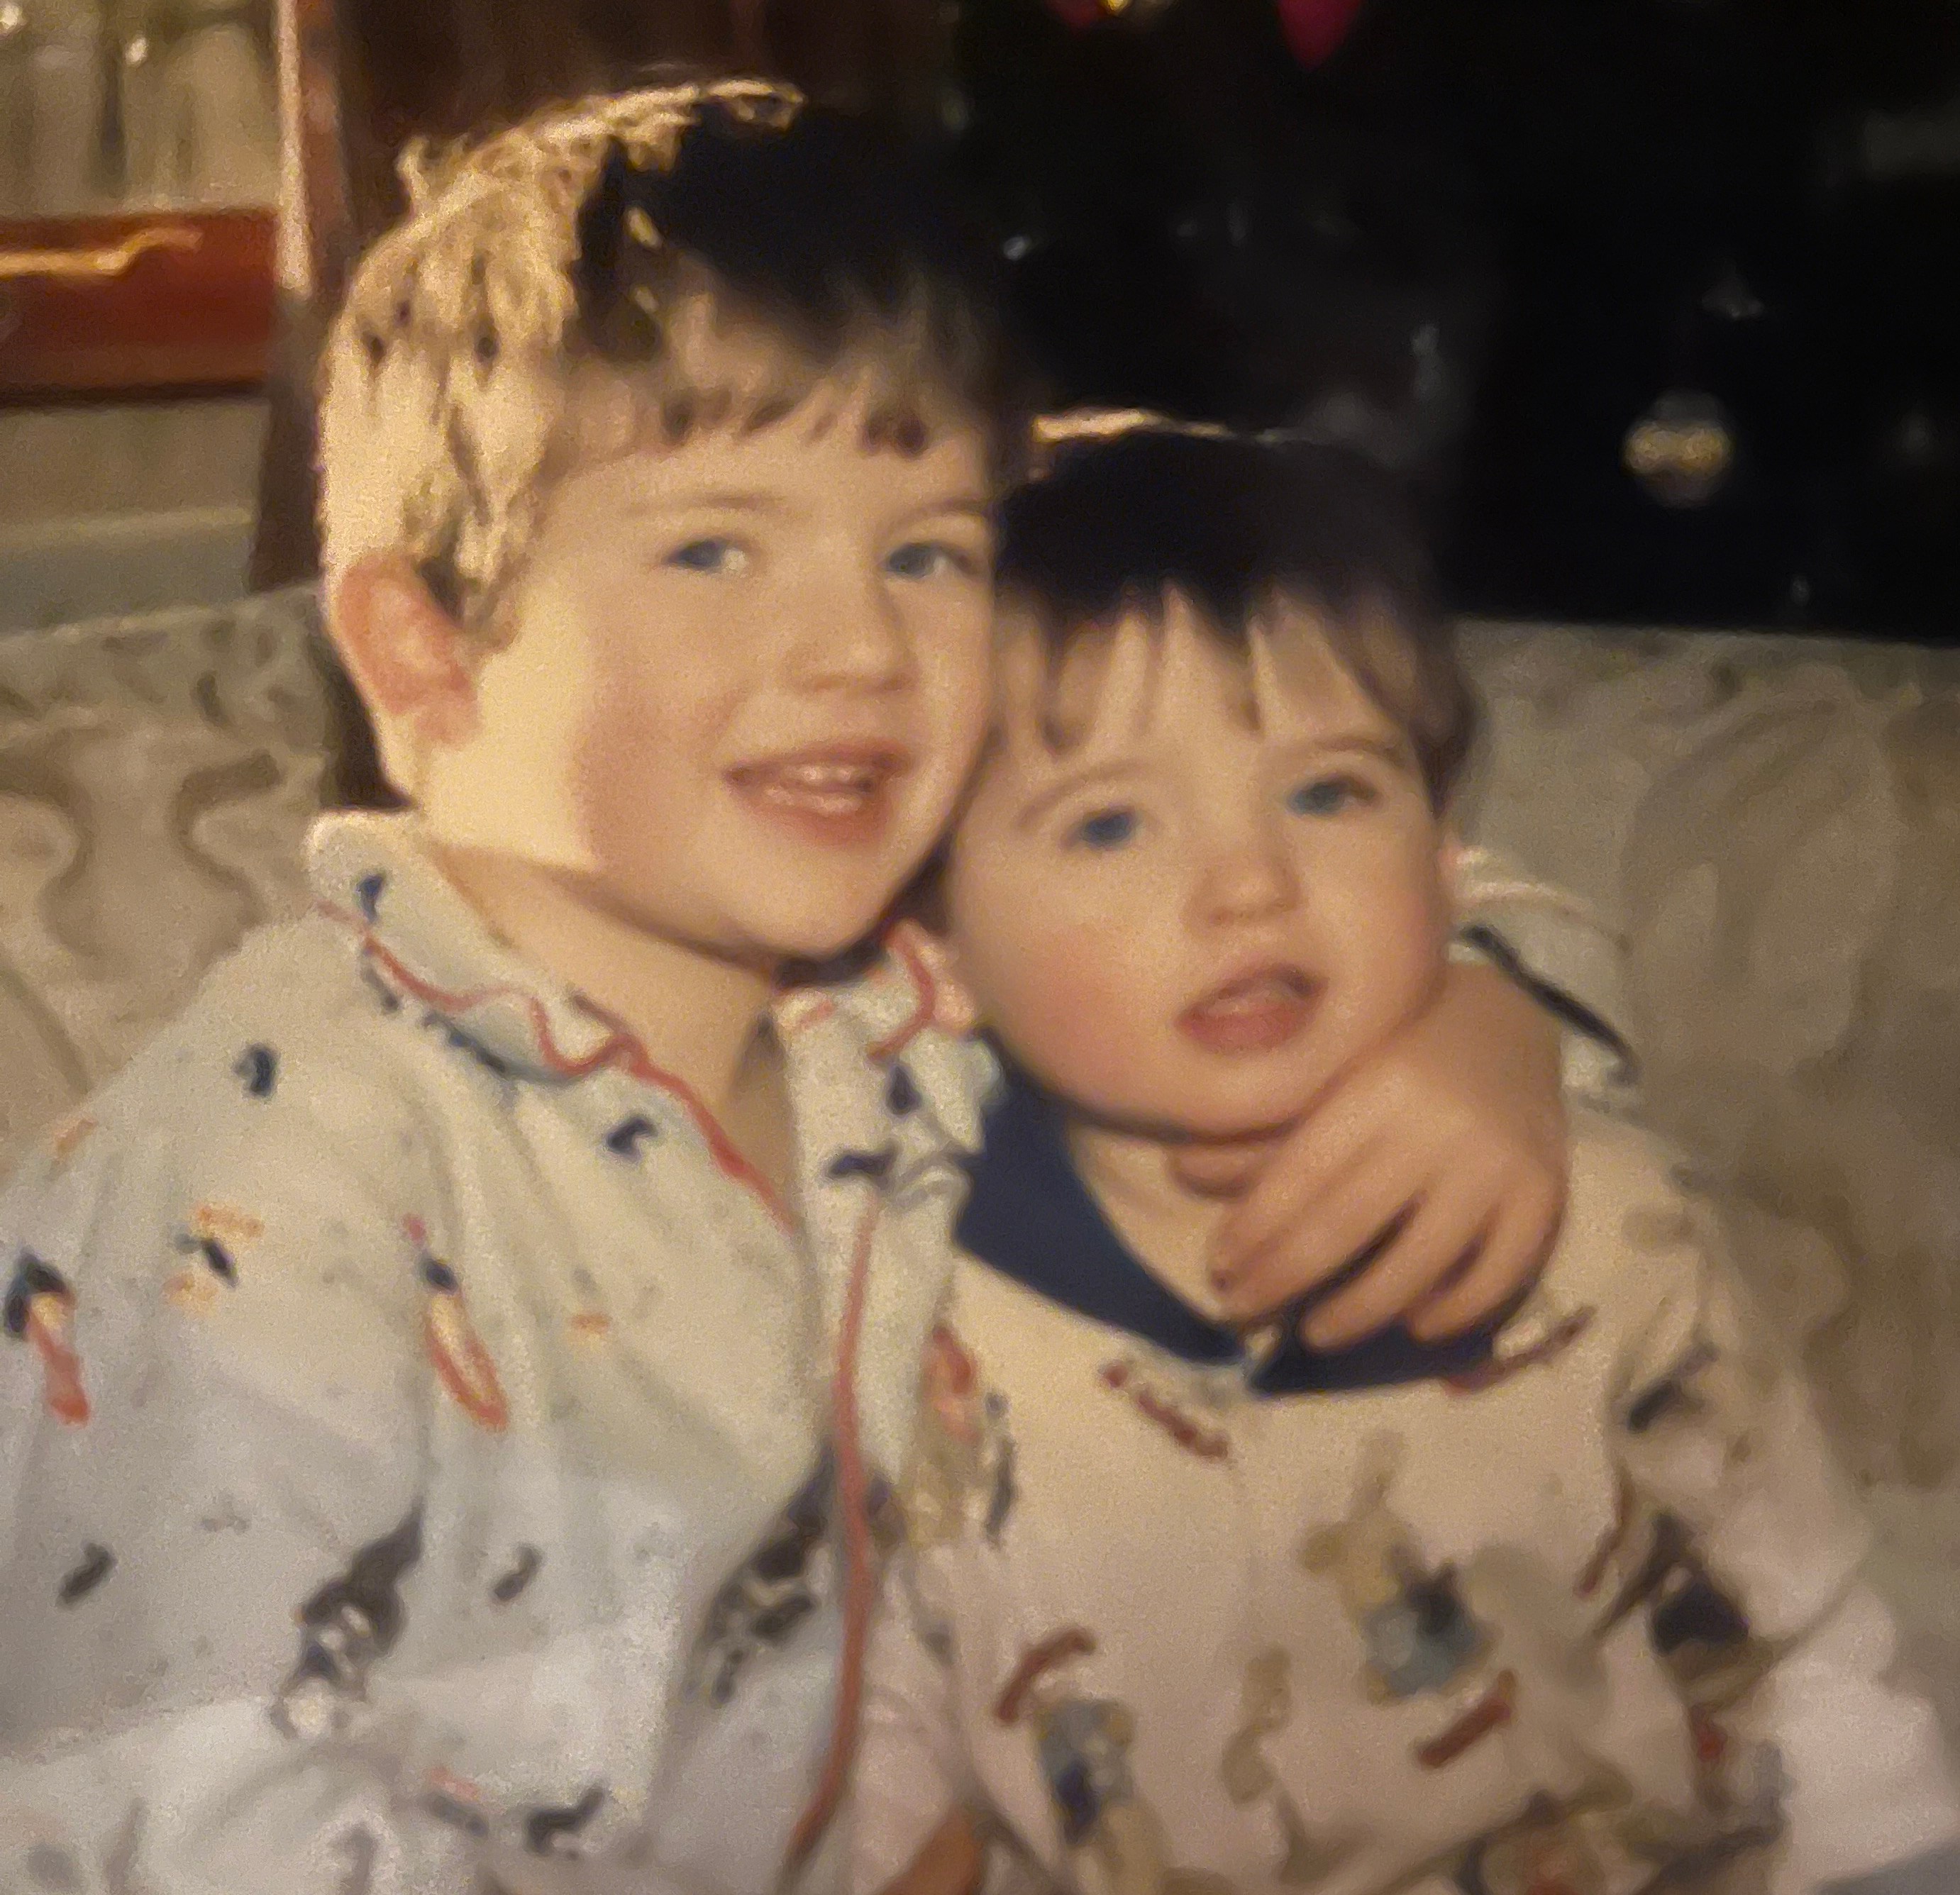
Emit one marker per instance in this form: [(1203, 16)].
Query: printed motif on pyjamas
[(1083, 1742), (40, 1314), (1419, 1634), (346, 1628), (963, 1472), (1500, 1619), (406, 1389), (778, 1587)]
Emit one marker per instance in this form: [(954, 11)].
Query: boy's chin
[(737, 925), (816, 937)]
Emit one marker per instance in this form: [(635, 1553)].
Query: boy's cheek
[(533, 756), (447, 721)]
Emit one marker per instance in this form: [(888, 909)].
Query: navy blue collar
[(1030, 1217)]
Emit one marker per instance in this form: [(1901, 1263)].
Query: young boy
[(439, 1376), (1569, 1606)]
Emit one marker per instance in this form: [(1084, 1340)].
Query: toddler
[(1567, 1606)]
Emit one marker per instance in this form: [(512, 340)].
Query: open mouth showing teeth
[(827, 789), (837, 796)]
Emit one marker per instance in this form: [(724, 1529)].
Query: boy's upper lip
[(885, 758)]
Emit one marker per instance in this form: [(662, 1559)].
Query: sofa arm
[(157, 776)]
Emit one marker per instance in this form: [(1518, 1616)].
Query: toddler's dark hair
[(1238, 526)]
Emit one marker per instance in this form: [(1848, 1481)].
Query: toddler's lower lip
[(1255, 1016)]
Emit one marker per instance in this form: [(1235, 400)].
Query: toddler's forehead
[(1156, 673)]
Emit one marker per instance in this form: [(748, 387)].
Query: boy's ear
[(409, 659)]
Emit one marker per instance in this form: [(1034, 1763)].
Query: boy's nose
[(850, 637)]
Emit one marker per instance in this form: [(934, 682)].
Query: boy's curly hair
[(567, 252)]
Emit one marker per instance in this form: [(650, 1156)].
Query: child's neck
[(702, 1018), (1167, 1225)]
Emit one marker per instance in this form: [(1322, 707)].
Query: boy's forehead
[(790, 476), (730, 390)]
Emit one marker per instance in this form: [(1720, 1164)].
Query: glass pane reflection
[(136, 105)]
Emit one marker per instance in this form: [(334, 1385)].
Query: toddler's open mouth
[(1252, 1012)]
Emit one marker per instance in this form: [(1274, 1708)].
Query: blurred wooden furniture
[(142, 301), (139, 167)]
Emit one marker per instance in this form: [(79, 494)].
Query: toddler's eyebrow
[(1394, 748), (1394, 751)]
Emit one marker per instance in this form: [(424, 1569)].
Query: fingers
[(1305, 1166), (1445, 1228), (1512, 1254), (1319, 1238), (1220, 1170)]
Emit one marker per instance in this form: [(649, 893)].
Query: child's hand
[(1454, 1132), (951, 1863)]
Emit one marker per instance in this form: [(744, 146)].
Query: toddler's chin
[(1181, 1112), (1248, 1119)]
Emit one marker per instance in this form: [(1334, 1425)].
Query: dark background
[(1484, 236)]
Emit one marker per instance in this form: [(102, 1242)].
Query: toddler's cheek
[(1075, 1006)]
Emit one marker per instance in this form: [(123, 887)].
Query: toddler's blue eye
[(1106, 829), (926, 559), (710, 555), (1325, 796)]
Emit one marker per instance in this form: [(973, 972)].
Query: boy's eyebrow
[(737, 501), (729, 500), (959, 504), (1067, 786)]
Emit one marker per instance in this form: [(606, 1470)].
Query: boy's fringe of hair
[(442, 378)]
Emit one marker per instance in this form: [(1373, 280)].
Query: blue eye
[(709, 555), (1324, 796), (1106, 829), (927, 559)]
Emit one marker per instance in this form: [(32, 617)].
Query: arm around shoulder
[(1560, 950), (1782, 1651)]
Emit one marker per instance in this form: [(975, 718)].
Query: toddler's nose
[(1247, 876)]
